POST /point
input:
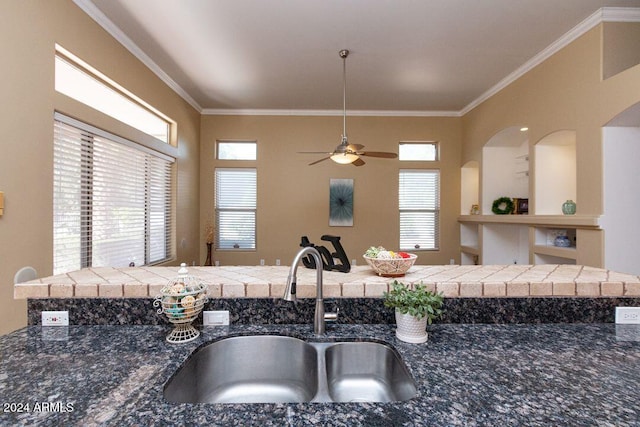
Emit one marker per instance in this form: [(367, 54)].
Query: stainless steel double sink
[(281, 369)]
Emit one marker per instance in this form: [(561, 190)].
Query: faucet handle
[(332, 317)]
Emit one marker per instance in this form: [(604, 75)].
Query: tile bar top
[(494, 281)]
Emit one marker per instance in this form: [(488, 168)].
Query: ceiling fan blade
[(358, 162), (382, 154), (318, 161)]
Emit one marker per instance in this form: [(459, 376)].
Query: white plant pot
[(411, 329)]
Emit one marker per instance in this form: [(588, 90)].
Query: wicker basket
[(396, 267)]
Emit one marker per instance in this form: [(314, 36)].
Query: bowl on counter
[(394, 267)]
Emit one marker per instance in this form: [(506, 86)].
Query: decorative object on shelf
[(209, 242), (475, 210), (414, 310), (502, 206), (562, 241), (341, 202), (207, 262), (569, 207), (389, 263), (521, 206), (181, 300)]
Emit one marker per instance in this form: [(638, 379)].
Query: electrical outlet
[(628, 315), (278, 261), (261, 262), (55, 318), (215, 318)]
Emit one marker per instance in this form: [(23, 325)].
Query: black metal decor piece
[(328, 257)]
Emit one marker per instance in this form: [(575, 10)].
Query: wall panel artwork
[(341, 202)]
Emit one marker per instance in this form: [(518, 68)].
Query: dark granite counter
[(509, 375)]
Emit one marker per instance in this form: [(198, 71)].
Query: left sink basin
[(247, 369)]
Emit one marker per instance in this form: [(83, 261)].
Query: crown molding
[(605, 14), (352, 113), (620, 14), (96, 14)]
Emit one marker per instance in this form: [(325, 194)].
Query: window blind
[(236, 201), (112, 200), (419, 203)]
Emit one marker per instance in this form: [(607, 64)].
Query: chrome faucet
[(320, 316)]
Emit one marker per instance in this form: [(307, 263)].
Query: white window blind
[(112, 200), (236, 190), (419, 203)]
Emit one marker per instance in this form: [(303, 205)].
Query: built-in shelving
[(581, 221)]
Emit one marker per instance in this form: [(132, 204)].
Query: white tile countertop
[(268, 281)]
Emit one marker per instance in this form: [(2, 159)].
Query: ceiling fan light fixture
[(344, 158)]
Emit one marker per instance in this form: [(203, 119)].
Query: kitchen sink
[(280, 369)]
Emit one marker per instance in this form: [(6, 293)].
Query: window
[(418, 151), (419, 202), (84, 84), (235, 208), (111, 199), (236, 150)]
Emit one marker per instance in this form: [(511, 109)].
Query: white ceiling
[(417, 57)]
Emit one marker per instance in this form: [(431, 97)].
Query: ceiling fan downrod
[(343, 54)]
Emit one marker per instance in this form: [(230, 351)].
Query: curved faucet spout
[(290, 290)]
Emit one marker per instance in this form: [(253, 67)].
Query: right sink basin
[(367, 372)]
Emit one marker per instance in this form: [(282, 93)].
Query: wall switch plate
[(215, 318), (628, 315), (55, 318)]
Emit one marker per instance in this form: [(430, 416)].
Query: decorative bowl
[(395, 267)]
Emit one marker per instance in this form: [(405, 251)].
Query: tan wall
[(620, 47), (293, 197), (564, 92), (30, 29)]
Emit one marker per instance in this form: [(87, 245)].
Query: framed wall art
[(341, 202)]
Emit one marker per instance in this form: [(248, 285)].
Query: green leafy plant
[(418, 302)]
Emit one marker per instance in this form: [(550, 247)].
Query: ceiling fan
[(346, 153)]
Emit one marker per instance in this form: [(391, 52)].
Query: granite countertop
[(534, 375)]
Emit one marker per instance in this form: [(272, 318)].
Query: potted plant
[(414, 309)]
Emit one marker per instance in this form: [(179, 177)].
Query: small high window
[(418, 151), (79, 81), (236, 150)]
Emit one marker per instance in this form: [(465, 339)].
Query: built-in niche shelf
[(555, 172), (575, 221), (505, 167), (544, 243), (522, 165), (528, 239), (470, 238)]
